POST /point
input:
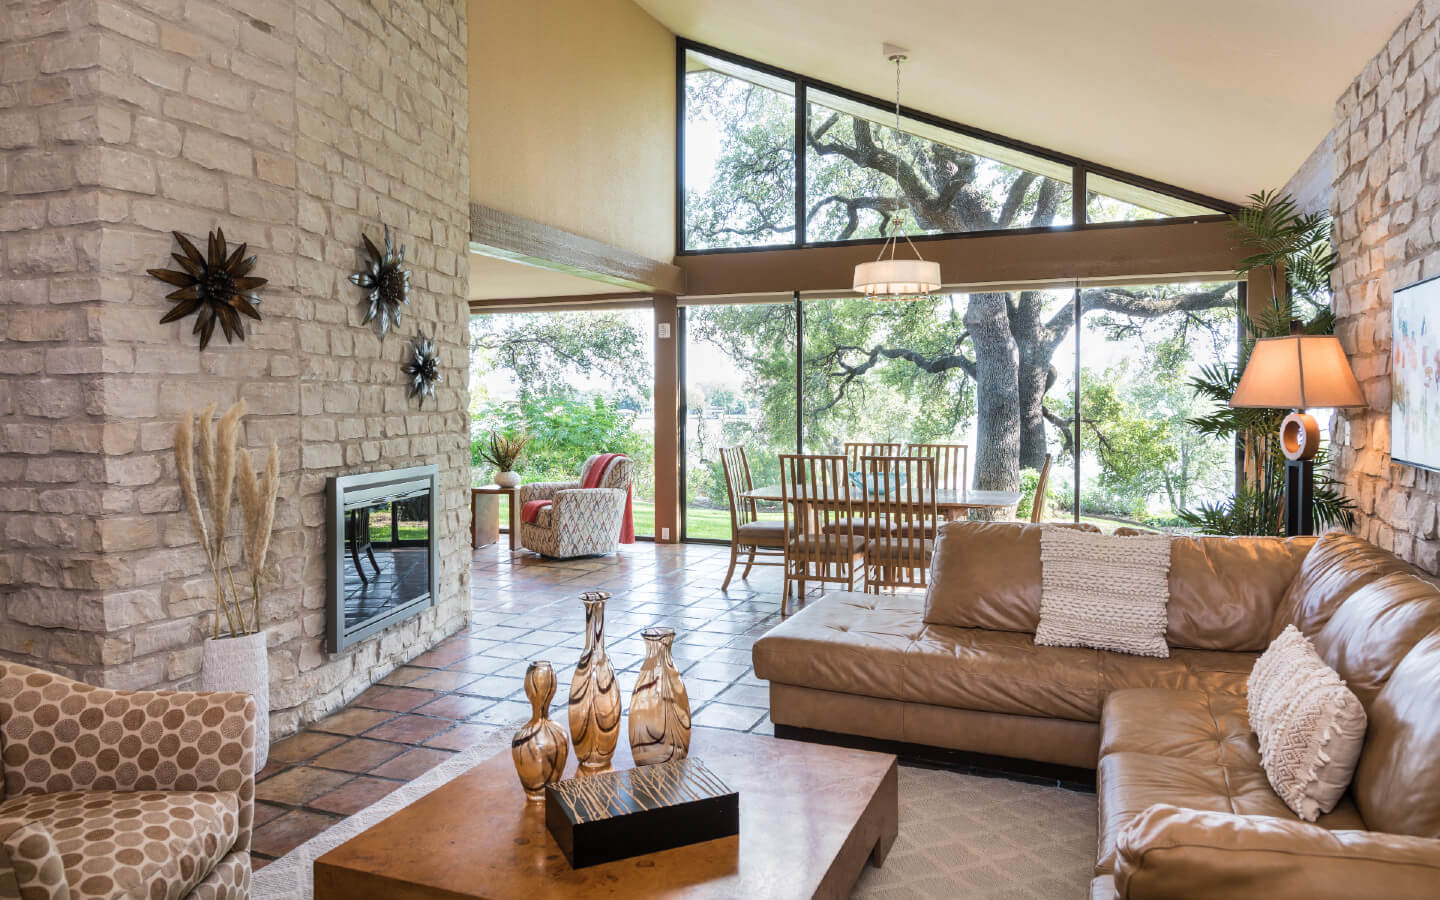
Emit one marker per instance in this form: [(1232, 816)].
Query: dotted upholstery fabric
[(101, 844), (229, 880), (135, 757)]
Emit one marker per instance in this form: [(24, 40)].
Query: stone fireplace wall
[(295, 126), (1386, 143)]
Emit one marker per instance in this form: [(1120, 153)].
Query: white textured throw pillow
[(1102, 591), (1311, 727)]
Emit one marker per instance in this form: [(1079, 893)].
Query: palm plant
[(1294, 250)]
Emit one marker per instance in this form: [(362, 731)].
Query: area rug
[(960, 836)]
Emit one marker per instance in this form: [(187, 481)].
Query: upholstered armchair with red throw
[(123, 793), (587, 517)]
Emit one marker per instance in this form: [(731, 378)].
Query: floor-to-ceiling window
[(576, 383), (739, 381)]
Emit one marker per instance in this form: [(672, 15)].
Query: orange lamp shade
[(1301, 371)]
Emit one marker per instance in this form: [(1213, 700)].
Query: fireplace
[(382, 554)]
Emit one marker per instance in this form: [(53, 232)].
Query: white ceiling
[(503, 279), (1223, 97)]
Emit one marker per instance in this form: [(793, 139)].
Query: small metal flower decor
[(217, 287), (423, 369), (387, 280)]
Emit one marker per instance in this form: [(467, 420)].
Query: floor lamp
[(1300, 371)]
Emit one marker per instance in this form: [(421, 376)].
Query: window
[(739, 167), (950, 182), (1110, 200), (995, 371), (742, 186), (577, 383), (739, 391), (1141, 462)]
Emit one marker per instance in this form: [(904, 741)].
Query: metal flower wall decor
[(423, 369), (387, 280), (217, 287)]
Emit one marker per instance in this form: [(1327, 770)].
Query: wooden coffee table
[(810, 817)]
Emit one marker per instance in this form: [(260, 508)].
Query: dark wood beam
[(1165, 251), (505, 236)]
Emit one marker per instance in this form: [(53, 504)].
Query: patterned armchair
[(579, 521), (123, 793)]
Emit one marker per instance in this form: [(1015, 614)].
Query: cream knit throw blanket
[(1103, 591)]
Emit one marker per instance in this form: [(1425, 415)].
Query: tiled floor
[(523, 608)]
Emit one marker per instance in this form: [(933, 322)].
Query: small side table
[(509, 493)]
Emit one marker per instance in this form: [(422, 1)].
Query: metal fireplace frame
[(373, 485)]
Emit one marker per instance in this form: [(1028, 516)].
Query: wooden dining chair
[(763, 541), (952, 463), (899, 495), (858, 450), (822, 543), (1037, 504)]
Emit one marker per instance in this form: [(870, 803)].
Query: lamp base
[(1299, 497)]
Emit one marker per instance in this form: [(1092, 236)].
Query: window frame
[(1079, 168)]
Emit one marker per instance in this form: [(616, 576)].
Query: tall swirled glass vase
[(594, 695), (539, 748), (659, 708)]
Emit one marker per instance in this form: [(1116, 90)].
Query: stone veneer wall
[(295, 126), (1387, 230)]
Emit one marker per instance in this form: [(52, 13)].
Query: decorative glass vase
[(540, 747), (659, 707), (594, 695)]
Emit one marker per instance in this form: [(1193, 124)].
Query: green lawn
[(714, 524)]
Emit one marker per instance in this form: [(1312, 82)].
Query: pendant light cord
[(891, 241)]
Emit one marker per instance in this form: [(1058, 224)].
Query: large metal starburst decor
[(387, 280), (423, 369), (216, 287)]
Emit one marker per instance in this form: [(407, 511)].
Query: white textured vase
[(242, 664), (507, 479)]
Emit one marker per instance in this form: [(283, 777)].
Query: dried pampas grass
[(257, 503), (213, 450)]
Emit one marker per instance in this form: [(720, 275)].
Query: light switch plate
[(664, 532), (663, 329)]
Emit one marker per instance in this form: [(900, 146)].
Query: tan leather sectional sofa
[(1185, 807)]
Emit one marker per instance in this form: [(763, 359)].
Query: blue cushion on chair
[(875, 484)]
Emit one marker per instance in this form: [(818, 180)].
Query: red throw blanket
[(593, 477)]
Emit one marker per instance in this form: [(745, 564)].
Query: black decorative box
[(615, 815)]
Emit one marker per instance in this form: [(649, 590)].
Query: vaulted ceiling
[(1223, 97)]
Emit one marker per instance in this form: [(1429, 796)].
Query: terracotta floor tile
[(352, 721), (295, 786), (443, 680), (404, 675), (408, 729), (455, 706), (412, 763), (358, 755), (264, 812), (354, 795), (736, 718), (496, 686), (290, 831), (272, 766), (399, 699), (461, 737), (303, 746), (259, 862)]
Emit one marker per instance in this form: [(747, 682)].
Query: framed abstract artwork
[(1415, 368)]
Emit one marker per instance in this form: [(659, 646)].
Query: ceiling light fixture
[(889, 278)]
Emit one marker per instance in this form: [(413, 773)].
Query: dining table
[(952, 503)]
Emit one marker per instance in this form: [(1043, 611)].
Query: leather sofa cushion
[(1223, 591), (1193, 725), (132, 843), (1397, 782), (1337, 566), (1372, 630), (880, 646)]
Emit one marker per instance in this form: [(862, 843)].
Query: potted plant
[(503, 451), (236, 658)]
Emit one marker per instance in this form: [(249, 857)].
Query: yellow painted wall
[(572, 118)]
